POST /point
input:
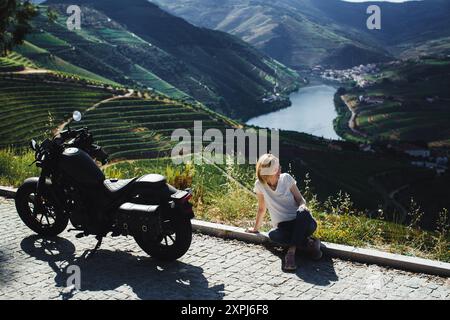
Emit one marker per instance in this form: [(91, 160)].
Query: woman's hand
[(252, 230), (301, 202), (303, 207), (259, 215)]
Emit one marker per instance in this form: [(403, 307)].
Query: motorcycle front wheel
[(172, 244), (40, 215)]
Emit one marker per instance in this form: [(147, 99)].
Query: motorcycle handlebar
[(99, 154), (70, 134), (83, 140)]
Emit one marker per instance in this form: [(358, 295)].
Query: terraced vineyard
[(45, 59), (20, 59), (9, 65), (133, 128), (414, 103), (127, 127), (76, 52), (44, 106)]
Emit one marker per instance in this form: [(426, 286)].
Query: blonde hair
[(265, 167)]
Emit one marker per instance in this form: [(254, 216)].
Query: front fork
[(45, 191)]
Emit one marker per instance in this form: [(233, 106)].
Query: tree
[(15, 19), (52, 15), (341, 91)]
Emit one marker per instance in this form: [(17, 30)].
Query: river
[(312, 111)]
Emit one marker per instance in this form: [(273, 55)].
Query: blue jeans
[(294, 232)]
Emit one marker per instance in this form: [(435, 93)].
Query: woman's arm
[(260, 214), (298, 196)]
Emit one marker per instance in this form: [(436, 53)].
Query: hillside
[(293, 32), (408, 22), (332, 32), (41, 58), (167, 54), (136, 128), (407, 101), (34, 105), (129, 127)]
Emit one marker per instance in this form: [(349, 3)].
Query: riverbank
[(312, 111), (345, 122)]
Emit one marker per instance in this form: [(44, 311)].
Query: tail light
[(187, 206), (187, 197)]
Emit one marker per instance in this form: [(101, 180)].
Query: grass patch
[(15, 167)]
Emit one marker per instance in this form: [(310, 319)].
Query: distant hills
[(303, 33), (137, 44)]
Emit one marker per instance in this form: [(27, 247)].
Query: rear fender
[(181, 201)]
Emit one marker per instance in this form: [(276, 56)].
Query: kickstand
[(89, 253)]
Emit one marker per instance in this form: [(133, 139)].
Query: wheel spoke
[(31, 204), (33, 210), (173, 240), (165, 240), (52, 214), (48, 221)]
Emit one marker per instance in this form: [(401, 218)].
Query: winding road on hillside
[(31, 71), (65, 123), (352, 122), (389, 197)]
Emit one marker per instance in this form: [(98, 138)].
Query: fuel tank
[(78, 165)]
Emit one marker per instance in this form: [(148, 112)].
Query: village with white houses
[(358, 74), (435, 159)]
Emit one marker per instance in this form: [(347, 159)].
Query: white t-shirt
[(280, 202)]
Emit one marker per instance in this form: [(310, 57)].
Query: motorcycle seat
[(131, 208), (116, 185), (151, 181)]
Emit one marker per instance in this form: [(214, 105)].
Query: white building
[(424, 153)]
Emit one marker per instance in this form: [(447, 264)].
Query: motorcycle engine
[(74, 203)]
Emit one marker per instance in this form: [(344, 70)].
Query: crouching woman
[(292, 222)]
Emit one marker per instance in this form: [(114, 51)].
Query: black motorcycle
[(72, 187)]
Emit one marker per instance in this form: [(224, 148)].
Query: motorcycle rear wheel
[(171, 245), (42, 218)]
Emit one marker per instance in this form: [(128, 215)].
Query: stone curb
[(7, 192), (368, 256)]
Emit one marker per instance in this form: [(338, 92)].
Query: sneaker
[(313, 249), (289, 262)]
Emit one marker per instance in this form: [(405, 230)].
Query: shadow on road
[(3, 271), (320, 273), (109, 270)]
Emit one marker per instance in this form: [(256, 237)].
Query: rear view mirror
[(76, 116), (33, 144)]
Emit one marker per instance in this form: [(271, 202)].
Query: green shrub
[(15, 167), (180, 178)]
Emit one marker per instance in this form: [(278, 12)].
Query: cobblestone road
[(32, 268)]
